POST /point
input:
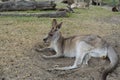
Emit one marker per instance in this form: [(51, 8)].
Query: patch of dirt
[(111, 20)]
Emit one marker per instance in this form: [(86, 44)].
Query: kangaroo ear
[(54, 22), (59, 25)]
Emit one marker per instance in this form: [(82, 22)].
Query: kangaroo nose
[(44, 39)]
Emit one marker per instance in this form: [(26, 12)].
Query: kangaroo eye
[(55, 29), (50, 34)]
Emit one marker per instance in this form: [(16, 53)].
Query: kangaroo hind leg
[(78, 61)]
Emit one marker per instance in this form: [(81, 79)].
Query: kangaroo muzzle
[(45, 40)]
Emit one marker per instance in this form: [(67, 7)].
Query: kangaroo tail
[(113, 57)]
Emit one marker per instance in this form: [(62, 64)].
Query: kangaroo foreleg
[(44, 49)]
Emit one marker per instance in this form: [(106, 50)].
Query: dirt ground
[(20, 61)]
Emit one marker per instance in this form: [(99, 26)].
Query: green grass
[(111, 1)]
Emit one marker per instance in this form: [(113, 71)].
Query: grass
[(111, 1)]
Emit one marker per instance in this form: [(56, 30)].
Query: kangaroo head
[(54, 33)]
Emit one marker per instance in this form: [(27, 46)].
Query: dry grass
[(19, 34)]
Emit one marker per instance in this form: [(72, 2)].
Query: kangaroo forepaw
[(44, 56), (38, 50)]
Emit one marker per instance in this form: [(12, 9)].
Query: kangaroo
[(80, 47)]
